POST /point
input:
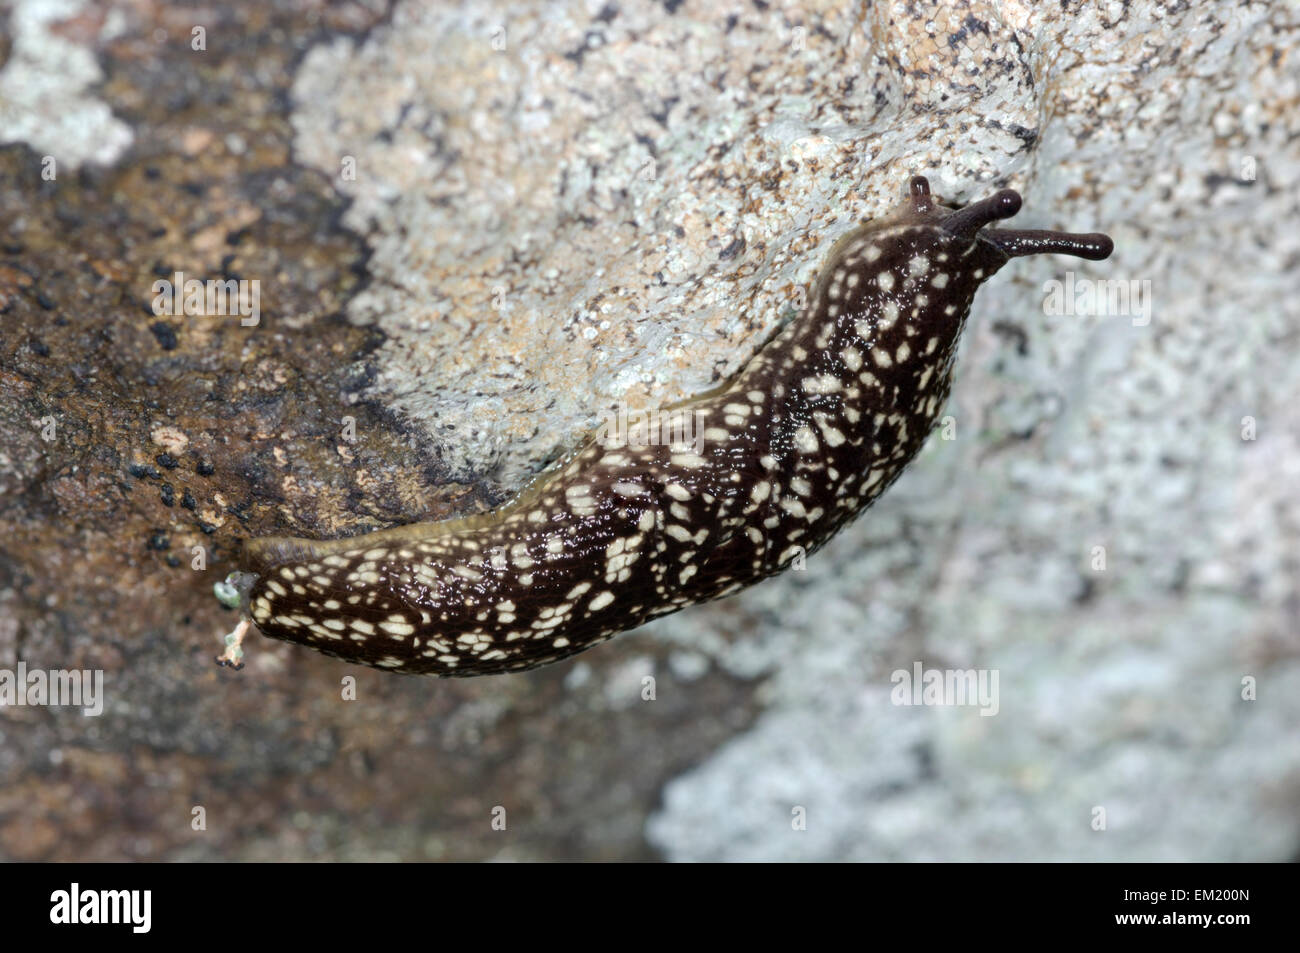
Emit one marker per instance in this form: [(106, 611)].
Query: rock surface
[(476, 230)]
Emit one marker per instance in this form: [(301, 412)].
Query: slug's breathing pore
[(799, 442)]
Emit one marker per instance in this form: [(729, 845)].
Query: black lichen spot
[(969, 27), (39, 347), (141, 470), (159, 541), (735, 248), (359, 377), (1023, 133), (165, 334), (1087, 591), (207, 528), (167, 461), (648, 144), (174, 561), (661, 116), (924, 754), (168, 494), (187, 500), (592, 41), (1013, 333), (44, 301), (205, 469), (1214, 181)]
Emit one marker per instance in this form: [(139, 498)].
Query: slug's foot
[(233, 656)]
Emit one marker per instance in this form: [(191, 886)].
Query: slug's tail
[(259, 555)]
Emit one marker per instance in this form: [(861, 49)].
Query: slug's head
[(967, 224), (915, 275)]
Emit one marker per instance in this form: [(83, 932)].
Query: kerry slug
[(817, 425)]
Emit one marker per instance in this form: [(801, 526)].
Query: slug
[(806, 436)]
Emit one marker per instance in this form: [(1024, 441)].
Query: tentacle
[(920, 189), (1017, 243), (969, 220)]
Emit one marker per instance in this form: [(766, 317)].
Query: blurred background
[(476, 229)]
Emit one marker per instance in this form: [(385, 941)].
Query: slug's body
[(818, 424)]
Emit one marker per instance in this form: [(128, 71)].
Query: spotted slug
[(625, 529)]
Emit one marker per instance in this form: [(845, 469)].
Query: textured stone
[(479, 229)]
